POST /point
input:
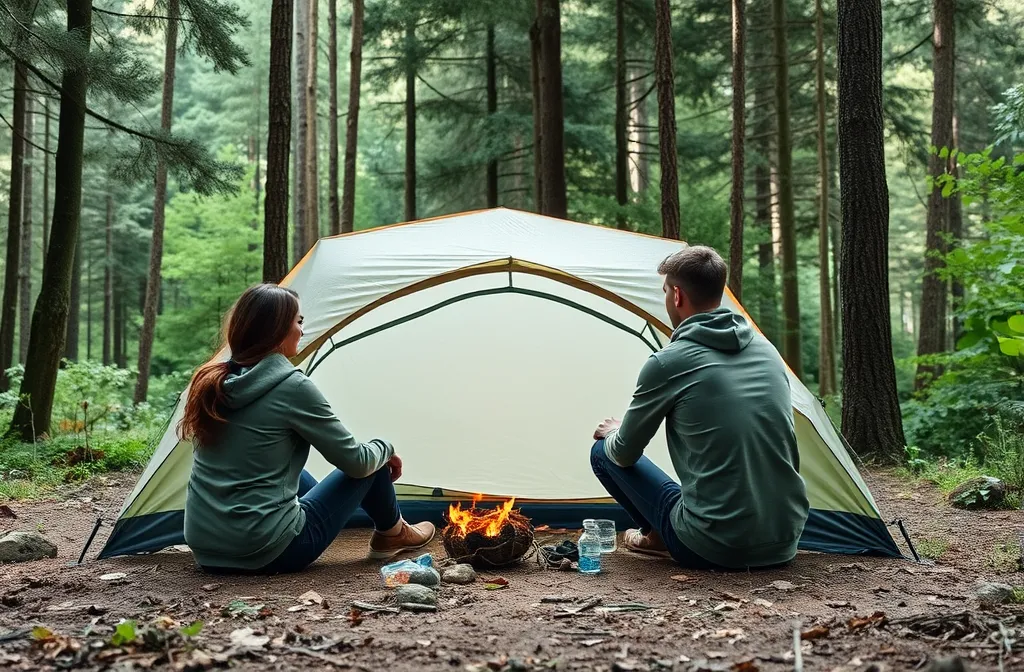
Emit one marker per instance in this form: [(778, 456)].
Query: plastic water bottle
[(590, 548)]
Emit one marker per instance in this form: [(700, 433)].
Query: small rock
[(994, 594), (461, 574), (425, 576), (415, 594), (983, 492), (25, 546), (948, 664)]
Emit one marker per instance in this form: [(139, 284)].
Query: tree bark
[(74, 319), (88, 304), (538, 130), (739, 131), (156, 250), (32, 415), (118, 329), (871, 410), (9, 306), (956, 232), (301, 129), (791, 341), (492, 109), (410, 123), (663, 71), (835, 230), (768, 308), (108, 278), (334, 212), (279, 135), (621, 117), (348, 196), (549, 18), (25, 263), (826, 346), (932, 334), (639, 134), (46, 183), (312, 140)]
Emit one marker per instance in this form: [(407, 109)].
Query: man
[(722, 390)]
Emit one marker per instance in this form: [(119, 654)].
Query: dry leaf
[(115, 576), (497, 581), (245, 638), (700, 633), (591, 642), (838, 605), (355, 617), (734, 632), (817, 632), (783, 585), (209, 587), (854, 565), (745, 666), (714, 654), (761, 602), (311, 597), (423, 642), (730, 596), (682, 578), (297, 607), (875, 619)]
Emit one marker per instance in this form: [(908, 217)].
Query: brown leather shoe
[(410, 538)]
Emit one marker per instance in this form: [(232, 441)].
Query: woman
[(250, 506)]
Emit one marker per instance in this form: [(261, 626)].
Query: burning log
[(487, 538)]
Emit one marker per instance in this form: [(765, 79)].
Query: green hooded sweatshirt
[(722, 390), (241, 508)]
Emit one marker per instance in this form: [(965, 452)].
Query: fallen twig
[(556, 599), (589, 604), (371, 608), (332, 660), (412, 606), (798, 653)]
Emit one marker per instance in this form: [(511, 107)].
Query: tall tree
[(46, 180), (932, 332), (32, 415), (9, 306), (621, 117), (739, 131), (871, 411), (538, 130), (348, 195), (956, 234), (826, 346), (334, 212), (301, 55), (25, 263), (492, 109), (665, 79), (410, 121), (108, 277), (74, 321), (279, 133), (552, 118), (787, 213), (312, 140), (156, 249)]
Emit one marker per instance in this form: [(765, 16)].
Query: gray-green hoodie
[(722, 390), (241, 509)]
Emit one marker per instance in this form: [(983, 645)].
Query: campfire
[(487, 537)]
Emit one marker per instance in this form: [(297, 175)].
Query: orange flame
[(489, 524)]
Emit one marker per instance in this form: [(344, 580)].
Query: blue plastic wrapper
[(398, 573)]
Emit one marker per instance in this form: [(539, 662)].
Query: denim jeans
[(648, 495)]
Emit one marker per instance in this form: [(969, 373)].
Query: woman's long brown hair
[(256, 326)]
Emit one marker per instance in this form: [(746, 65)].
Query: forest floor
[(853, 610)]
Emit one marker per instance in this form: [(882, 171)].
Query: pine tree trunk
[(88, 304), (118, 329), (663, 71), (826, 347), (156, 250), (492, 109), (301, 56), (32, 416), (74, 319), (640, 133), (9, 306), (410, 123), (312, 141), (551, 109), (835, 230), (46, 183), (538, 130), (25, 263), (768, 306), (334, 211), (108, 278), (621, 117), (932, 335), (739, 131), (871, 410), (956, 232), (787, 224), (279, 134), (348, 195)]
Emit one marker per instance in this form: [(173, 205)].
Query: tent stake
[(906, 537), (88, 543)]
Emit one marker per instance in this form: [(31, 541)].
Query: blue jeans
[(648, 495), (328, 506)]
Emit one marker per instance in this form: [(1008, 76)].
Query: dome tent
[(486, 346)]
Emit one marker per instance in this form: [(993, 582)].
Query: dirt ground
[(700, 621)]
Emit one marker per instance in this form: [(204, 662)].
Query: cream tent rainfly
[(486, 346)]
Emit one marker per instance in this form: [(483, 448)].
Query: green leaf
[(1018, 159), (947, 189), (123, 633), (944, 153), (193, 629), (40, 633), (1016, 323), (1012, 347), (969, 339), (495, 586)]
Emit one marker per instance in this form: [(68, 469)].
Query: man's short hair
[(699, 272)]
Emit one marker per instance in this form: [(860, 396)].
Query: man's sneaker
[(410, 538)]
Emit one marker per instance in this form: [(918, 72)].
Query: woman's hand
[(395, 465)]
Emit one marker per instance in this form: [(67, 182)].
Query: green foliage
[(932, 549), (124, 633)]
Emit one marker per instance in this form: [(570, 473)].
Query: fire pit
[(487, 538)]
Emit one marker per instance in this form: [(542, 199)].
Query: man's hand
[(608, 426), (395, 465)]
